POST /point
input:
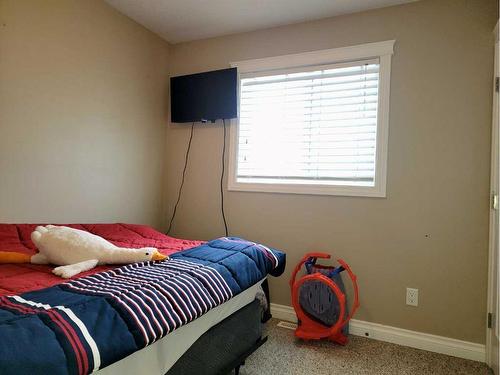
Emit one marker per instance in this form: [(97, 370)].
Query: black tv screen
[(206, 96)]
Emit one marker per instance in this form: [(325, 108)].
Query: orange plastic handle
[(354, 280), (303, 260)]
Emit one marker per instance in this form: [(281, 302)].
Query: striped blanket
[(86, 324)]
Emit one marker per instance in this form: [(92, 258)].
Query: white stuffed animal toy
[(76, 251)]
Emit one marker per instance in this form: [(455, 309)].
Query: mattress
[(21, 278), (158, 358)]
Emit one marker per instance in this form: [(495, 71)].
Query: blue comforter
[(88, 323)]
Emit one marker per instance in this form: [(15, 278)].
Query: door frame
[(494, 192)]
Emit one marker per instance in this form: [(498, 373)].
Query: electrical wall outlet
[(412, 296)]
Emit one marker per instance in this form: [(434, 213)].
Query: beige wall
[(83, 113), (83, 107), (431, 232)]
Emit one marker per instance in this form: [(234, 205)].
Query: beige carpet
[(283, 354)]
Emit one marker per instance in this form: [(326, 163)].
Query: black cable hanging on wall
[(183, 178), (222, 178)]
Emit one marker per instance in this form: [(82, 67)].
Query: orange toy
[(310, 328)]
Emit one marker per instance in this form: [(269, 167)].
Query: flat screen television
[(208, 96)]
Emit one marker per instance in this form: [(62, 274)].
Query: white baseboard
[(283, 312), (400, 336)]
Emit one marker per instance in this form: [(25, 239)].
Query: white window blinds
[(311, 125)]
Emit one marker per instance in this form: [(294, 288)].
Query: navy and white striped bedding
[(88, 323)]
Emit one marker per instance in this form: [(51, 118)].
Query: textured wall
[(83, 114), (431, 232)]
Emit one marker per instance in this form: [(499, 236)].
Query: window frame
[(382, 51)]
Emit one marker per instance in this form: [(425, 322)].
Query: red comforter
[(20, 278)]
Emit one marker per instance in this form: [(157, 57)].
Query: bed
[(151, 317)]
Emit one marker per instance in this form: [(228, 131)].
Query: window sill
[(335, 190)]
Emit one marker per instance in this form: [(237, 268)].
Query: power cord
[(186, 159), (183, 177), (222, 178)]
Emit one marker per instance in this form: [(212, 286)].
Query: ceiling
[(184, 20)]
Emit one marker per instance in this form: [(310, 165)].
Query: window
[(313, 123)]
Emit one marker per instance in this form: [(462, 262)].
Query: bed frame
[(224, 347)]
